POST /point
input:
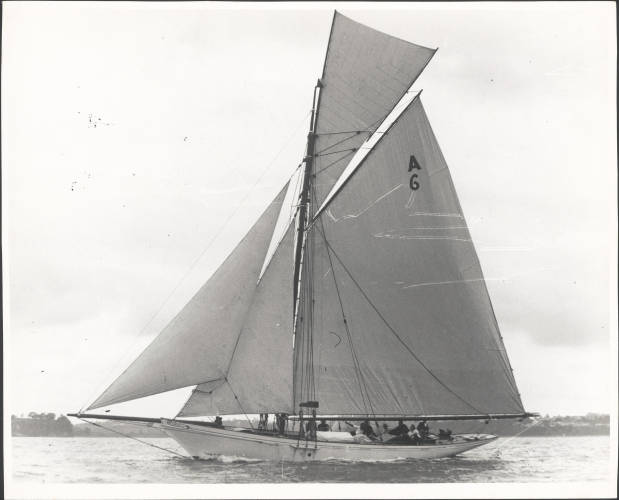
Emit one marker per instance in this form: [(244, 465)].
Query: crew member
[(367, 430), (400, 430), (423, 429)]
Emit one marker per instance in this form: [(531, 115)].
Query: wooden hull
[(210, 442)]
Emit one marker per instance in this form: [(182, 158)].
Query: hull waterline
[(208, 442)]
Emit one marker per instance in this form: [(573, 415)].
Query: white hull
[(208, 442)]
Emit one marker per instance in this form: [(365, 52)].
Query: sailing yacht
[(356, 295)]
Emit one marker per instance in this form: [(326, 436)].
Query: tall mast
[(303, 252), (304, 197)]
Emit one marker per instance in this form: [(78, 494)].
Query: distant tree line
[(41, 424), (592, 424)]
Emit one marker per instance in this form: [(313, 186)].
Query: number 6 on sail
[(412, 164)]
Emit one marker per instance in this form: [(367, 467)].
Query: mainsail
[(401, 319)]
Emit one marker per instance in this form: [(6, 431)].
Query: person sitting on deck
[(400, 430), (423, 429), (414, 435), (323, 426), (366, 429), (218, 422), (399, 433)]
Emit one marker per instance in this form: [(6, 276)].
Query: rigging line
[(294, 207), (533, 424), (336, 143), (334, 162), (134, 438), (308, 324), (384, 320), (358, 372), (197, 260), (338, 151), (232, 173), (239, 403), (311, 284), (355, 133)]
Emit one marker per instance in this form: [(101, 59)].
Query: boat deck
[(295, 437)]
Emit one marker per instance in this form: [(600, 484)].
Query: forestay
[(402, 320), (365, 74), (225, 319)]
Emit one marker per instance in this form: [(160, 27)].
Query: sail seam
[(391, 329)]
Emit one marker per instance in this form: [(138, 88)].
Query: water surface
[(120, 460)]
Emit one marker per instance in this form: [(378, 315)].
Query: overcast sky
[(138, 137)]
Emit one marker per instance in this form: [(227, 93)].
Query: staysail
[(198, 346), (258, 379), (401, 318), (365, 74)]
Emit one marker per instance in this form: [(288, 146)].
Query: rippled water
[(118, 460)]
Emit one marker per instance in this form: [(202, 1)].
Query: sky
[(140, 142)]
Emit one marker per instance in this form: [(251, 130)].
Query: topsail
[(366, 72)]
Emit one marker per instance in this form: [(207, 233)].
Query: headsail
[(366, 72), (198, 345), (402, 320), (258, 379)]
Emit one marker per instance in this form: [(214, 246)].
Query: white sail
[(365, 74), (198, 344), (401, 319), (258, 378), (286, 216)]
